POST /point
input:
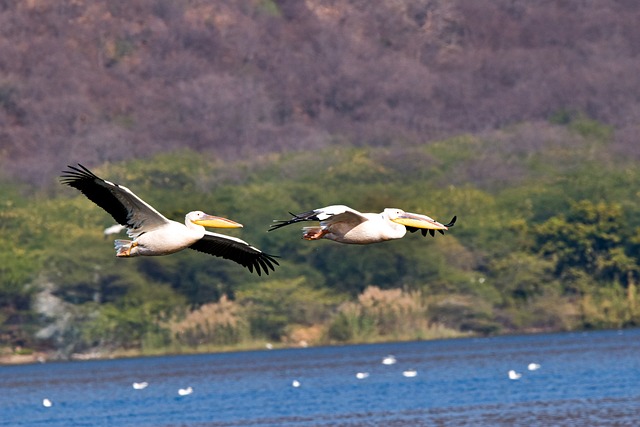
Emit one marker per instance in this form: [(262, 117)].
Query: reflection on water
[(559, 379)]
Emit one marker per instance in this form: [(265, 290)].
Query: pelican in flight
[(345, 225), (153, 234)]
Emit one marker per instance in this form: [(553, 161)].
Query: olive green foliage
[(547, 238), (278, 305)]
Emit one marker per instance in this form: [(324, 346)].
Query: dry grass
[(380, 315), (377, 315), (217, 323)]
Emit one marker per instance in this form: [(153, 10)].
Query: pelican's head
[(206, 220), (413, 220)]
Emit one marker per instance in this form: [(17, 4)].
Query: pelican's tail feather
[(313, 233), (123, 248)]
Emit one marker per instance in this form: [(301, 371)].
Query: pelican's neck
[(393, 230), (196, 229)]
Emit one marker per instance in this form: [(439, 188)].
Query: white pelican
[(153, 234), (345, 225)]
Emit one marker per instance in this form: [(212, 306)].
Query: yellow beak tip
[(421, 223)]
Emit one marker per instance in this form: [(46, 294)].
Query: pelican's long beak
[(217, 222), (419, 221)]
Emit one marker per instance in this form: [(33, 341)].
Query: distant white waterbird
[(533, 366), (185, 391), (389, 360), (410, 373), (295, 383), (47, 403), (362, 375), (140, 386), (513, 375)]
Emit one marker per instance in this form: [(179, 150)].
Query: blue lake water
[(584, 379)]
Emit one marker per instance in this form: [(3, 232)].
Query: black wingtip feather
[(424, 231), (95, 189), (452, 222), (265, 263), (304, 216), (279, 224), (249, 257)]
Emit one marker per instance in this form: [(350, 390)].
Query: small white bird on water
[(410, 373), (533, 366), (513, 375), (362, 375), (389, 360), (295, 383), (140, 386), (185, 391), (47, 403)]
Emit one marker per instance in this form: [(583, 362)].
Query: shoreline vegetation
[(554, 250), (10, 356), (381, 316)]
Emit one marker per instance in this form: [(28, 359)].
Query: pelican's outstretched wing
[(236, 250), (431, 231), (328, 215), (120, 202)]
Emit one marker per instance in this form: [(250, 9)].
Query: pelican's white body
[(170, 238)]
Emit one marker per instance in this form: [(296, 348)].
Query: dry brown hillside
[(96, 81)]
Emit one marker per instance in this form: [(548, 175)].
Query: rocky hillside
[(97, 81)]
